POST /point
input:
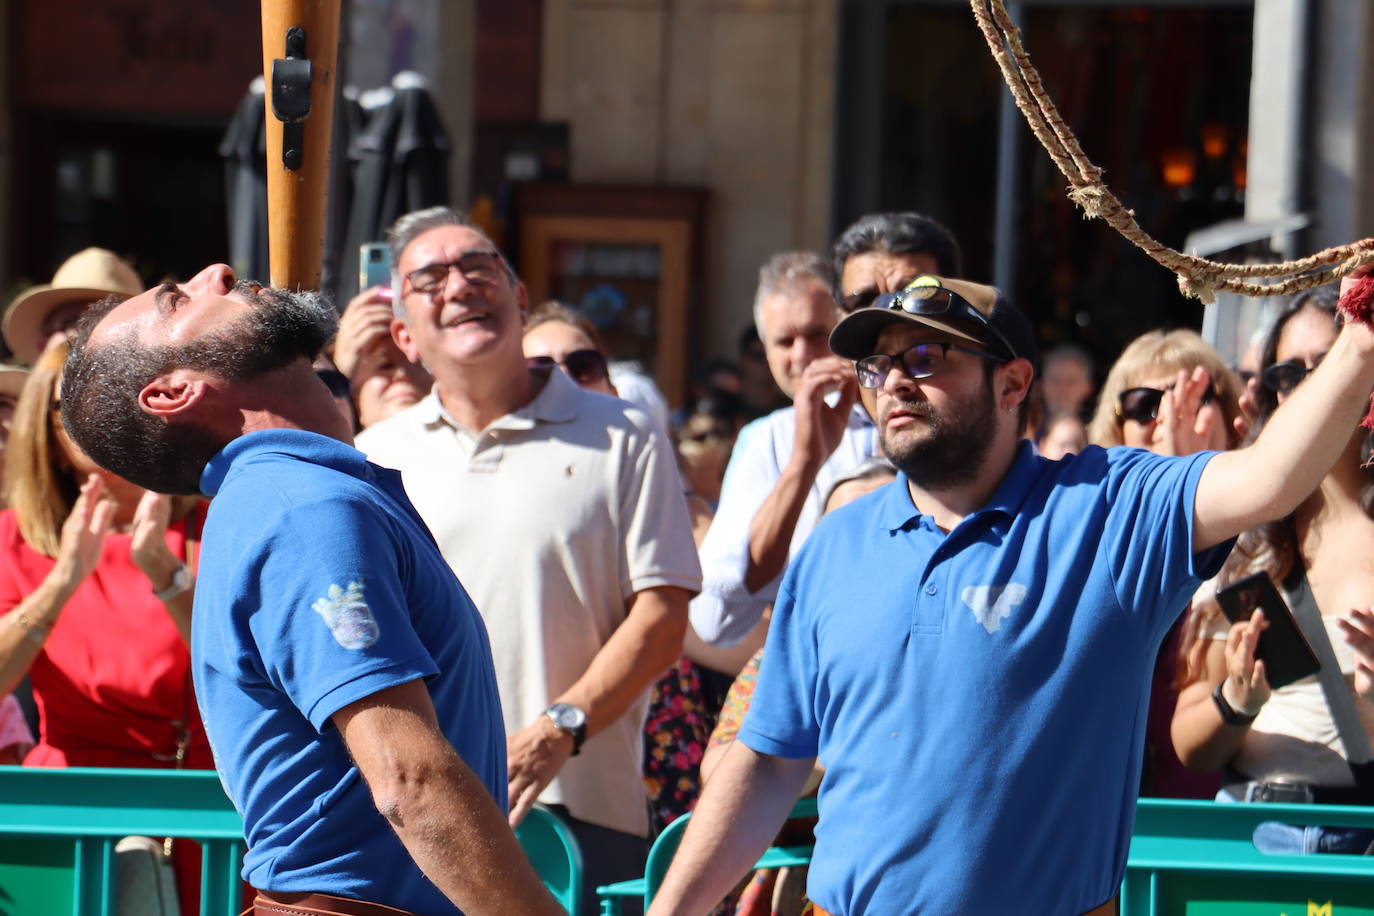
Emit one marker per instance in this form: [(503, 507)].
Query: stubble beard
[(951, 448)]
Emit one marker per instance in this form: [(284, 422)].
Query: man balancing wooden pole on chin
[(344, 675), (968, 650)]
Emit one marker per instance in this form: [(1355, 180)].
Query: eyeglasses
[(925, 296), (1142, 404), (585, 366), (335, 381), (480, 268), (920, 361), (1284, 377)]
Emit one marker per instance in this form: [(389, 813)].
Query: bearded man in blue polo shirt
[(345, 678), (968, 650)]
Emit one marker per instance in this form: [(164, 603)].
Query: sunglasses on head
[(1284, 377), (585, 366), (920, 361), (1142, 404), (335, 381), (925, 296)]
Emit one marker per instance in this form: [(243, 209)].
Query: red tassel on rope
[(1357, 304)]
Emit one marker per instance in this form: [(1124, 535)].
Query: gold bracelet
[(32, 630)]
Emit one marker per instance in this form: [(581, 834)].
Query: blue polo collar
[(294, 443), (897, 511)]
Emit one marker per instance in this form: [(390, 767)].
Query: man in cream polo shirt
[(562, 514)]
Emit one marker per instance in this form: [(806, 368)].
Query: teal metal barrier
[(555, 854), (661, 856), (59, 827), (1196, 858)]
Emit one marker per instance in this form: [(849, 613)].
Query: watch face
[(567, 716)]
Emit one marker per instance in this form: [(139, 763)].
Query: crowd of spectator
[(628, 558)]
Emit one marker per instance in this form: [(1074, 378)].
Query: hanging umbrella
[(243, 150), (400, 163)]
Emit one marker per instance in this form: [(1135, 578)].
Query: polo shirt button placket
[(486, 456)]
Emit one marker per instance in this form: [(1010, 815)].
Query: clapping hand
[(149, 544), (1246, 687), (1183, 427), (1358, 629), (83, 533)]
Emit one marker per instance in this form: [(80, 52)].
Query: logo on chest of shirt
[(991, 604), (348, 617)]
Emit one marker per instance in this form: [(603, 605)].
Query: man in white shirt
[(561, 512), (784, 464)]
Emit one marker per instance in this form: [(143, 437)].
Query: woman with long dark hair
[(1284, 744)]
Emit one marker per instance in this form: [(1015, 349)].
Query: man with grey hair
[(561, 511), (782, 463)]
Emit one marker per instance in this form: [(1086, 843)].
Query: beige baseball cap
[(87, 276)]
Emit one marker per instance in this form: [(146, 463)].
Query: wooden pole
[(296, 197)]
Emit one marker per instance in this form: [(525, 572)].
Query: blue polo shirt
[(978, 698), (318, 586)]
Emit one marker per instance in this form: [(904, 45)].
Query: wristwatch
[(181, 581), (1229, 715), (568, 718)]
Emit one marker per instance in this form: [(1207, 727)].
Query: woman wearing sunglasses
[(1171, 393), (678, 721), (555, 335), (1228, 719)]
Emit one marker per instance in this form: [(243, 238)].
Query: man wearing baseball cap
[(968, 650), (48, 311)]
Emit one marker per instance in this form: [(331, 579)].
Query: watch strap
[(1229, 714), (181, 581)]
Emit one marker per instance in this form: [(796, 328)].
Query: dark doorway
[(152, 193)]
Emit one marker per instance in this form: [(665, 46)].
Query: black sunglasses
[(925, 296), (1142, 404), (920, 361), (335, 381), (1284, 377), (585, 366)]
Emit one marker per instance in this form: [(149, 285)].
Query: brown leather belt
[(1106, 909), (280, 903)]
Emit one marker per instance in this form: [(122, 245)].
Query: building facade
[(790, 117)]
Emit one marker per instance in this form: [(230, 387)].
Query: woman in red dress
[(95, 589)]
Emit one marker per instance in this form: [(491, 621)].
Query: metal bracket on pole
[(290, 95)]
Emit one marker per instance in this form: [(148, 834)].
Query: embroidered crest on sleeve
[(991, 604), (348, 617)]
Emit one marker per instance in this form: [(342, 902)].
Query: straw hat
[(12, 380), (86, 276)]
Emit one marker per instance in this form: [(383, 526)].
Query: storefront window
[(1158, 95)]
